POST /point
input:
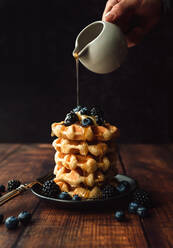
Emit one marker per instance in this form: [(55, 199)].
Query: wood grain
[(7, 149), (27, 163), (63, 228), (152, 166), (54, 227)]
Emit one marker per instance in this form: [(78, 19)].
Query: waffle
[(77, 177), (90, 133), (86, 163), (79, 147), (74, 177), (82, 192), (85, 156)]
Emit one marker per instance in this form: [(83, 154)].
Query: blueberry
[(122, 187), (76, 198), (1, 218), (87, 122), (24, 217), (2, 188), (12, 222), (133, 207), (99, 120), (142, 211), (84, 111), (119, 215), (64, 196), (77, 109), (70, 119)]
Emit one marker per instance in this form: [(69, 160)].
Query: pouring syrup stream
[(75, 55)]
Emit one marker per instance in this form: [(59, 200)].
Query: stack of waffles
[(85, 156)]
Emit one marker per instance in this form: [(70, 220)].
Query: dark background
[(37, 74)]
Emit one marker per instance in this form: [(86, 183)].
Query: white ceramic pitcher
[(101, 47)]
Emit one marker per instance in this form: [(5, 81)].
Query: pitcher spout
[(78, 52)]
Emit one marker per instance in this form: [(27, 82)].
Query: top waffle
[(90, 133)]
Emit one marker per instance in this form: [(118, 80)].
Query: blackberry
[(99, 120), (77, 109), (64, 196), (24, 217), (12, 222), (2, 188), (119, 215), (70, 119), (143, 198), (87, 122), (13, 184), (50, 188), (108, 191), (96, 111), (84, 111), (142, 211)]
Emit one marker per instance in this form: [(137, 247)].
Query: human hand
[(135, 17)]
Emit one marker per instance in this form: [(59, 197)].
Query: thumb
[(135, 36)]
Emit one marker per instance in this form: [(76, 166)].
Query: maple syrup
[(75, 55)]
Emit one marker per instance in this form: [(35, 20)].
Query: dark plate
[(90, 202)]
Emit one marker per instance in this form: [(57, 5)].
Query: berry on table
[(2, 188), (87, 122), (142, 197), (64, 196), (50, 188), (76, 198), (24, 217), (133, 207), (13, 184), (84, 111), (70, 119), (108, 191), (1, 218), (11, 222), (142, 211), (122, 187), (119, 215)]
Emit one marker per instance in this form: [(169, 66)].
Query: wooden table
[(52, 227)]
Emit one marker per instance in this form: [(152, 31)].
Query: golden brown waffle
[(73, 177), (90, 133), (79, 147), (77, 177), (86, 163), (82, 192)]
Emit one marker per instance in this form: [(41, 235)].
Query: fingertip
[(109, 18)]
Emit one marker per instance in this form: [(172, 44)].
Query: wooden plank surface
[(7, 149), (152, 166), (27, 163), (57, 227)]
